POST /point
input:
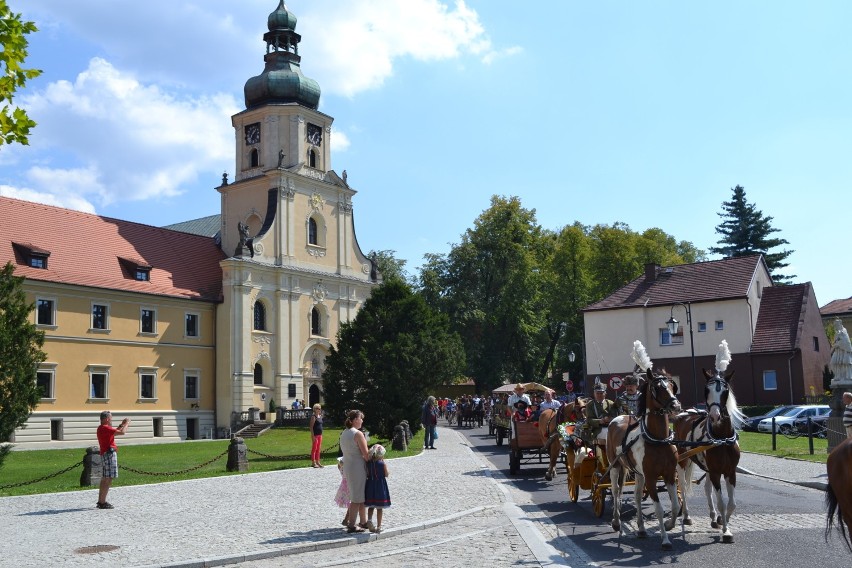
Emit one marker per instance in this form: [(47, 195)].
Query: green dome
[(281, 18), (282, 80)]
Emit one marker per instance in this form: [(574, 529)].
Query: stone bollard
[(92, 467), (237, 460), (399, 443), (407, 429)]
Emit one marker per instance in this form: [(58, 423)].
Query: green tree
[(15, 125), (490, 286), (20, 355), (388, 359), (746, 230)]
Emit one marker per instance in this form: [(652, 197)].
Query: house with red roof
[(774, 333)]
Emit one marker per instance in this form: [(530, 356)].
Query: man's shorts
[(110, 465)]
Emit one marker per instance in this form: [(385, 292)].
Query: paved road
[(452, 507)]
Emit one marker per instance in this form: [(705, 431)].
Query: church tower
[(295, 271)]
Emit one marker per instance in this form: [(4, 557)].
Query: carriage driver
[(599, 412), (519, 395), (628, 401)]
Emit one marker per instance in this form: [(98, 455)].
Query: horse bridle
[(720, 385), (664, 408)]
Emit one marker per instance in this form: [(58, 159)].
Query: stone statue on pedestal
[(841, 356)]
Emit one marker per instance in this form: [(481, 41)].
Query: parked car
[(818, 425), (750, 424), (786, 421)]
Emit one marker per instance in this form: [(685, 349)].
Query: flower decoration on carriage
[(567, 436)]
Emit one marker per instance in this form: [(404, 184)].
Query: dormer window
[(38, 261), (135, 268), (31, 255)]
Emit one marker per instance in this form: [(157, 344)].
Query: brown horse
[(642, 444), (838, 495), (716, 428), (548, 421)]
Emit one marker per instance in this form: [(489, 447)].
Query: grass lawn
[(279, 448), (761, 443)]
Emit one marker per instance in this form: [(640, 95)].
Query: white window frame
[(774, 375), (48, 368), (702, 326), (720, 325), (142, 309), (145, 371), (664, 333), (192, 373), (53, 304), (197, 325), (99, 370), (92, 327)]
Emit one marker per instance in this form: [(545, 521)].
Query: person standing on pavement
[(429, 419), (315, 426), (847, 413), (377, 496), (353, 443), (109, 456)]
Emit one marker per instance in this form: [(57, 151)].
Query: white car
[(785, 421)]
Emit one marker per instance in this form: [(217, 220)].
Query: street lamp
[(673, 326), (573, 357)]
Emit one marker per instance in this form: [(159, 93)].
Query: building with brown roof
[(196, 330), (778, 344), (837, 309)]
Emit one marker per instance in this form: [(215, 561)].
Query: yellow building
[(185, 329)]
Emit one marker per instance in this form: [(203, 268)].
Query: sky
[(644, 113)]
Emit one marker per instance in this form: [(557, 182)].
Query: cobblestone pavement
[(232, 519), (449, 507)]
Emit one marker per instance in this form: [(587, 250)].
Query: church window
[(312, 159), (254, 159), (313, 233), (259, 316), (315, 322), (258, 374)]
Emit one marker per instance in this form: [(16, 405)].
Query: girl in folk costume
[(376, 492), (342, 497)]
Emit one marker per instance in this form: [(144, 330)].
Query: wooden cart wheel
[(598, 502), (573, 490)]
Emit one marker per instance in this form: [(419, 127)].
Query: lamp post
[(673, 326), (573, 357)]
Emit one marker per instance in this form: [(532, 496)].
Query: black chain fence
[(43, 478), (168, 473)]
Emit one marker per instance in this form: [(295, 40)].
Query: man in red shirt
[(106, 441)]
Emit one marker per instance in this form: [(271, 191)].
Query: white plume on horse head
[(640, 356), (723, 357)]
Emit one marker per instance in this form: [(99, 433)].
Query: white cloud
[(134, 141), (354, 43), (339, 141), (67, 201)]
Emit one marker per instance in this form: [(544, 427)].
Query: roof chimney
[(651, 269)]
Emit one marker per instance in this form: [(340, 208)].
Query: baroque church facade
[(187, 348)]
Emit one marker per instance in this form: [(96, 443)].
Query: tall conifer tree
[(746, 230), (20, 355)]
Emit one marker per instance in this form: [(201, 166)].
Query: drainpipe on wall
[(790, 374)]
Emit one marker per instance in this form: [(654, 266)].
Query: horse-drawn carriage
[(526, 443)]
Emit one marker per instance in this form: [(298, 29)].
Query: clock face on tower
[(253, 133), (314, 134)]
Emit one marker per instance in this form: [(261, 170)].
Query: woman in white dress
[(353, 444)]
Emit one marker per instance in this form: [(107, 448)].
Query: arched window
[(315, 365), (313, 233), (259, 316), (253, 159), (258, 374), (312, 159), (315, 322)]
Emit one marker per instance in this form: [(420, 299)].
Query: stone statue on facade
[(242, 246), (841, 356)]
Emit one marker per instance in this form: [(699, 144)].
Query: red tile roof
[(837, 308), (86, 249), (782, 314), (724, 279)]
